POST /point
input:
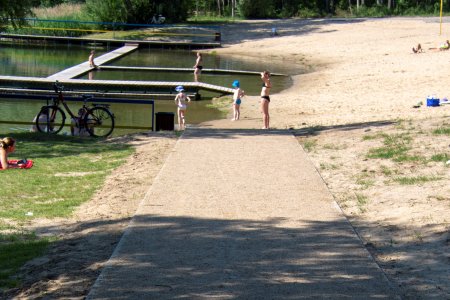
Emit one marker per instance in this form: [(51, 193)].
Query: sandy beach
[(360, 84), (357, 70), (363, 80)]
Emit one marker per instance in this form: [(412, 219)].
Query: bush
[(137, 11), (305, 12), (374, 11), (256, 9), (107, 11)]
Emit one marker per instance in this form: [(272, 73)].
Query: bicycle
[(97, 121), (160, 19)]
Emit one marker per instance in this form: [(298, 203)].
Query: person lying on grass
[(7, 145)]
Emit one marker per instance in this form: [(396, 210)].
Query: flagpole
[(440, 22)]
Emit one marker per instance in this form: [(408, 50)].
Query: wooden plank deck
[(35, 93), (159, 69), (83, 68), (110, 85)]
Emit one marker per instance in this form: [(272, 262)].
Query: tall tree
[(390, 4), (13, 11)]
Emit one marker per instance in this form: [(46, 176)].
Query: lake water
[(42, 61)]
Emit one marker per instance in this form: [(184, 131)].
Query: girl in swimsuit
[(198, 66), (7, 145), (180, 100), (237, 95), (265, 98)]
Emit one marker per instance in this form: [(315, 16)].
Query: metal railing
[(49, 98)]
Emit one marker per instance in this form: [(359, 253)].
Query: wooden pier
[(38, 94), (67, 77), (83, 68), (110, 86), (115, 42), (159, 69)]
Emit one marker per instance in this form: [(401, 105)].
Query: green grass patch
[(369, 137), (325, 166), (309, 144), (15, 250), (440, 157), (365, 182), (409, 158), (415, 179), (67, 171), (386, 171), (387, 152), (395, 147), (442, 130), (361, 201)]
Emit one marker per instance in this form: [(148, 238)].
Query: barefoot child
[(180, 100), (237, 95)]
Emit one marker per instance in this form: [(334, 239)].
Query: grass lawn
[(67, 171)]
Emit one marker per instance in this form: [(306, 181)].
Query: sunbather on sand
[(418, 49), (443, 47)]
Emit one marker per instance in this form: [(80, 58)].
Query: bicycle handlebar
[(58, 87)]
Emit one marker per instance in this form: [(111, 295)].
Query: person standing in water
[(198, 66), (180, 100), (237, 95), (265, 98)]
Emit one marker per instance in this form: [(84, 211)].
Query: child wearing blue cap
[(180, 100), (237, 95)]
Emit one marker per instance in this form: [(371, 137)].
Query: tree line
[(140, 11)]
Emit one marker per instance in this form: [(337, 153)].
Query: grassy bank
[(67, 171)]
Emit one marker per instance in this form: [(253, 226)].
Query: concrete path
[(240, 214)]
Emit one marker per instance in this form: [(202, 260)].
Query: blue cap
[(179, 88), (236, 83)]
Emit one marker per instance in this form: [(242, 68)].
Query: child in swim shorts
[(237, 95)]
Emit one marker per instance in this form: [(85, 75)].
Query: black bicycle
[(96, 120)]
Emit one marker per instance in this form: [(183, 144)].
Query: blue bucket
[(432, 102)]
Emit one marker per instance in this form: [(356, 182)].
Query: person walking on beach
[(198, 66), (91, 60), (237, 95), (265, 98), (180, 100)]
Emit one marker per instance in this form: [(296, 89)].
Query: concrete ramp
[(240, 214)]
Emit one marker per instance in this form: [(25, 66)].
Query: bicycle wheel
[(50, 119), (99, 122)]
